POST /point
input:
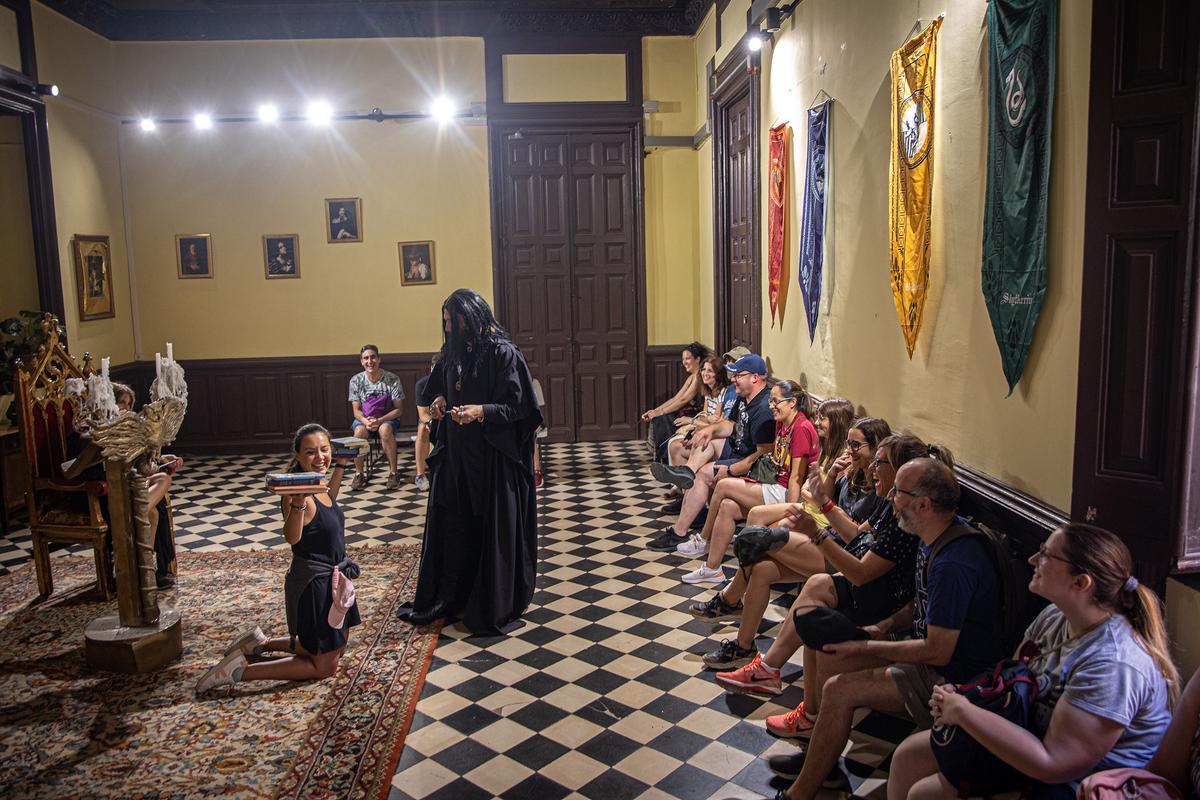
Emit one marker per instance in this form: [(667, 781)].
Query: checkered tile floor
[(602, 693)]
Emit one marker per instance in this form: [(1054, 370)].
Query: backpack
[(1018, 605)]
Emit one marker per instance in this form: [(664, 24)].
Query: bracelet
[(829, 504)]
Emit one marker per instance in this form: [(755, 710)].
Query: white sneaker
[(422, 483), (222, 673), (694, 547), (705, 575), (248, 643)]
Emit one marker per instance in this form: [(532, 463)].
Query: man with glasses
[(749, 431), (952, 616)]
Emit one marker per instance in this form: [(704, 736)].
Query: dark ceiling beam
[(125, 20)]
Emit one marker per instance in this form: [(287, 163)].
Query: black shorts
[(864, 605)]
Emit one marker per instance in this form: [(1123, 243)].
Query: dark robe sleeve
[(511, 420)]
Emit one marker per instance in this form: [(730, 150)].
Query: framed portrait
[(194, 255), (343, 219), (417, 267), (281, 257), (93, 276)]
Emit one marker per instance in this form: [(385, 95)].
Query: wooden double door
[(568, 274)]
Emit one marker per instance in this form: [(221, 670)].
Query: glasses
[(880, 461), (737, 375), (1044, 553), (775, 401), (897, 490), (855, 446)]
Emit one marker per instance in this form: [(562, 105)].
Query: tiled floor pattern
[(602, 693)]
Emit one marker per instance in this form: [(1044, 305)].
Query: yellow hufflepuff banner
[(910, 177)]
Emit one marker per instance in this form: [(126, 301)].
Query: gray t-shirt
[(378, 398), (1105, 672)]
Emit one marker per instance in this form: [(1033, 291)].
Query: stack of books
[(295, 482), (349, 446)]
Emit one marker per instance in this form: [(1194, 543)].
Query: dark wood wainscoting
[(664, 372), (253, 405)]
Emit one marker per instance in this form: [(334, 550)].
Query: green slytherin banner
[(1021, 42)]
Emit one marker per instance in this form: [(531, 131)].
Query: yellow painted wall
[(672, 233), (18, 273), (85, 166), (417, 181), (564, 78), (953, 389), (10, 42), (704, 45)]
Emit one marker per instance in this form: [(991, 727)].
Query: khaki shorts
[(916, 682)]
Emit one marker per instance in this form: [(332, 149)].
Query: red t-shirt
[(799, 444)]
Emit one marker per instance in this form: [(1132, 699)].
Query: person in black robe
[(479, 555)]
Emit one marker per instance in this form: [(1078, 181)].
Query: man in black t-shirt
[(749, 431)]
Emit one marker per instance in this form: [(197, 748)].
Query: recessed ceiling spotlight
[(319, 112), (202, 122), (268, 113)]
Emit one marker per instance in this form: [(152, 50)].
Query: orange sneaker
[(754, 677), (796, 724)]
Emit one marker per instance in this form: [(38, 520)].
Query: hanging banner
[(777, 214), (812, 223), (1021, 37), (910, 177)]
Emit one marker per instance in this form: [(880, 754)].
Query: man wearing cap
[(748, 431)]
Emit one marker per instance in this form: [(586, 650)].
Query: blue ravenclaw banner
[(812, 225), (1021, 42)]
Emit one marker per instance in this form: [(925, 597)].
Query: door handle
[(745, 319)]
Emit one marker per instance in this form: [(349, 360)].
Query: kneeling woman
[(320, 605), (1100, 650)]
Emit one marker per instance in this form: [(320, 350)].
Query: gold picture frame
[(194, 255), (343, 220), (281, 263), (417, 265), (93, 276)]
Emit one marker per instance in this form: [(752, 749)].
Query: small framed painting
[(194, 255), (417, 267), (93, 276), (343, 219), (281, 256)]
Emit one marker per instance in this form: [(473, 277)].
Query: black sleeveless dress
[(322, 540)]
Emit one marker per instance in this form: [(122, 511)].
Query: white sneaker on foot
[(705, 575), (422, 483), (248, 643), (222, 673), (694, 547)]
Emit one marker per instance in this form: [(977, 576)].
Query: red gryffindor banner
[(777, 216)]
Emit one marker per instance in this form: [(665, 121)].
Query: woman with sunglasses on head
[(1105, 679), (795, 449)]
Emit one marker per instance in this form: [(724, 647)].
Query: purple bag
[(377, 405)]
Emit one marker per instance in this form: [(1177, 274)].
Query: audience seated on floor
[(718, 396), (1105, 684), (687, 401), (774, 482), (749, 431), (377, 399), (951, 625)]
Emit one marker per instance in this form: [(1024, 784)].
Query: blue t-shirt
[(728, 399), (963, 595)]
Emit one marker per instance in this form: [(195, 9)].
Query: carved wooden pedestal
[(111, 646)]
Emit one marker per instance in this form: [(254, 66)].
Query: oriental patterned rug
[(69, 731)]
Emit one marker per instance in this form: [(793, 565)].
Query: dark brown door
[(1139, 269), (569, 244), (736, 273)]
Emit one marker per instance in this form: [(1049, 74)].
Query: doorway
[(568, 271), (737, 275)]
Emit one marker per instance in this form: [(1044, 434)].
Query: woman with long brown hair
[(1099, 650)]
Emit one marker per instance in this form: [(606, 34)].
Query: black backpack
[(1018, 605)]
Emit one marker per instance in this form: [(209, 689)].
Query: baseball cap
[(749, 363), (737, 352)]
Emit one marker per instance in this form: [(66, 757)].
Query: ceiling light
[(755, 42), (48, 88), (202, 122), (774, 19), (148, 125), (443, 109), (268, 113), (319, 112)]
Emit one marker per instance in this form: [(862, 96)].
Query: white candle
[(104, 368), (158, 365), (170, 353)]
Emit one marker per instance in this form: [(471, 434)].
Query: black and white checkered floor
[(602, 693)]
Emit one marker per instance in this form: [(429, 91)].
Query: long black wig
[(465, 340)]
